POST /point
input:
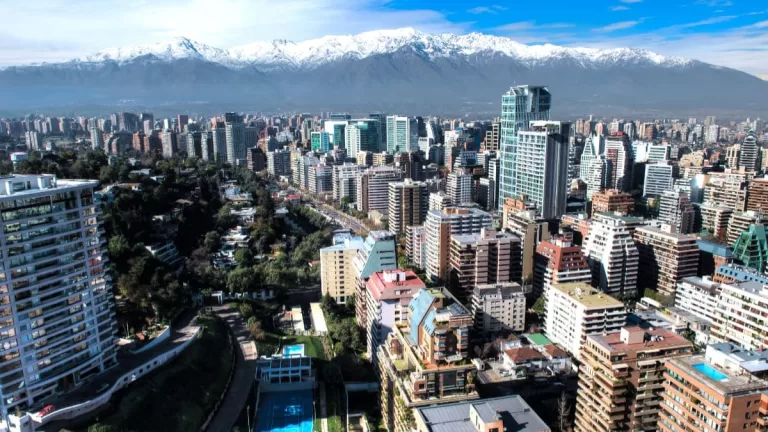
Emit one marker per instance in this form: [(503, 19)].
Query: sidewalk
[(245, 372)]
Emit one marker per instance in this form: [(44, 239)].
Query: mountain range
[(401, 70)]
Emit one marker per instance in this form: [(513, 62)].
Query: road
[(341, 218), (244, 376)]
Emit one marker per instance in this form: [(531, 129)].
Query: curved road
[(245, 372)]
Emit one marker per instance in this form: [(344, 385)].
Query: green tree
[(212, 241), (244, 257), (241, 280)]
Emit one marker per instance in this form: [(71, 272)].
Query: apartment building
[(622, 376), (575, 310), (507, 413), (58, 321), (279, 163), (408, 202), (757, 198), (497, 307), (416, 245), (665, 257), (531, 231), (740, 222), (612, 254), (703, 394), (698, 296), (440, 226), (659, 178), (337, 274), (613, 200), (458, 188), (675, 209), (558, 261), (344, 179), (728, 189), (751, 248), (740, 315), (378, 253), (321, 179), (486, 257), (388, 295), (439, 200), (424, 360), (373, 188), (715, 218)]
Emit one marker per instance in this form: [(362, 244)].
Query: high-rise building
[(576, 310), (402, 134), (715, 218), (665, 257), (279, 163), (345, 182), (675, 209), (235, 139), (373, 188), (59, 325), (383, 158), (698, 296), (408, 205), (381, 130), (181, 121), (728, 189), (751, 248), (170, 144), (519, 106), (622, 376), (647, 151), (619, 152), (220, 143), (377, 254), (321, 179), (558, 261), (739, 222), (458, 187), (206, 141), (486, 257), (362, 136), (416, 245), (736, 400), (531, 230), (735, 316), (541, 166), (337, 272), (33, 141), (320, 141), (612, 200), (97, 139), (492, 137), (498, 307), (195, 144), (426, 361), (757, 198), (659, 178), (750, 156), (612, 256), (387, 296), (440, 226)]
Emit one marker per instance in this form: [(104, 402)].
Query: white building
[(33, 141), (58, 318), (402, 134), (739, 317), (279, 163), (575, 310), (498, 307), (675, 209), (345, 182), (407, 205), (439, 200), (373, 188), (321, 179), (458, 188), (659, 178), (649, 152), (440, 226), (612, 255), (698, 296), (235, 138)]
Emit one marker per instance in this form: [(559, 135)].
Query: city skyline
[(721, 32)]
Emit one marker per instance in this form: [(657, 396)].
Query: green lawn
[(313, 345)]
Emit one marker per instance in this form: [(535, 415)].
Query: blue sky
[(731, 33)]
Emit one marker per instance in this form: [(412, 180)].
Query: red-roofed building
[(558, 261), (388, 294), (527, 360)]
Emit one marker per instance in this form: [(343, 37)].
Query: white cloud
[(631, 1), (714, 3), (709, 21), (481, 10), (621, 25), (55, 30), (500, 7), (531, 25), (619, 8)]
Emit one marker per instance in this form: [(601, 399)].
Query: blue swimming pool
[(294, 349), (285, 412), (710, 371)]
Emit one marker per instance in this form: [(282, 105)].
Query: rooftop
[(653, 339), (538, 339), (730, 384), (513, 411), (587, 295), (666, 233), (388, 283), (714, 248)]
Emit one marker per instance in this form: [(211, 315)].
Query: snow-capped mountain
[(313, 53), (401, 71)]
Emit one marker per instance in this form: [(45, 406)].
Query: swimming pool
[(710, 371), (294, 349), (285, 412)]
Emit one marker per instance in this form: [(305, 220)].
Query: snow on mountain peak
[(316, 52)]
